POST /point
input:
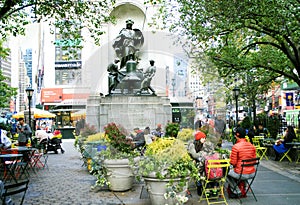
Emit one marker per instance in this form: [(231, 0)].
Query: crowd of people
[(242, 149)]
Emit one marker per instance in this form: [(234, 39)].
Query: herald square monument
[(131, 100)]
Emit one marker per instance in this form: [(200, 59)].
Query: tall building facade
[(27, 58)]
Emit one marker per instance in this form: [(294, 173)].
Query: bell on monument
[(131, 71)]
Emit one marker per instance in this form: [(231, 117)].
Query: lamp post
[(236, 92), (29, 92)]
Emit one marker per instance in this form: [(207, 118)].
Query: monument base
[(128, 111)]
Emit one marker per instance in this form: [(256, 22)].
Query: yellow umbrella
[(38, 113), (19, 115), (78, 115)]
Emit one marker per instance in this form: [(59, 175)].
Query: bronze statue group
[(127, 46)]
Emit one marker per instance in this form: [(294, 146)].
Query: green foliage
[(3, 51), (246, 123), (186, 134), (6, 92), (258, 38), (81, 139), (261, 119), (172, 129), (118, 146), (273, 125), (87, 131), (167, 158), (70, 17), (116, 135)]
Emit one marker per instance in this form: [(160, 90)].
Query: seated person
[(280, 146), (261, 131), (5, 142), (136, 130), (240, 151), (158, 131), (199, 149), (139, 139), (41, 135)]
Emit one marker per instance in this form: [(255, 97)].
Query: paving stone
[(67, 182)]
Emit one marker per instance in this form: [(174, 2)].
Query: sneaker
[(199, 190), (232, 195)]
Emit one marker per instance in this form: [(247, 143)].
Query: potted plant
[(93, 144), (186, 134), (172, 129), (166, 168), (84, 143), (112, 167)]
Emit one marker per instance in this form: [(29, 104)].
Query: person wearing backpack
[(199, 149), (240, 151)]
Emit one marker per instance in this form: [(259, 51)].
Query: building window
[(67, 60)]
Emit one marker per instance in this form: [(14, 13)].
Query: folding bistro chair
[(218, 182), (39, 160), (11, 165), (286, 155), (246, 180), (260, 151), (13, 189)]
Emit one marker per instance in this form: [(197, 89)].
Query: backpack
[(215, 173)]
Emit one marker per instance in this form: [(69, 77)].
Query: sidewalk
[(67, 182)]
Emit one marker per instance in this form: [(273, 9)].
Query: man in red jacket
[(240, 151)]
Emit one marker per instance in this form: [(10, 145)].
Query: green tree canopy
[(258, 36), (68, 16), (6, 92)]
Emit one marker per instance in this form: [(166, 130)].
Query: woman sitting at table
[(5, 142), (199, 149), (280, 146)]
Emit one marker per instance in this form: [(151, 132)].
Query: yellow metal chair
[(213, 164), (286, 155), (260, 137), (247, 138), (260, 151)]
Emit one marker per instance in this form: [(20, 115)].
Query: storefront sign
[(52, 95)]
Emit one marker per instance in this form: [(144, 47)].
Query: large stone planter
[(157, 188), (119, 174)]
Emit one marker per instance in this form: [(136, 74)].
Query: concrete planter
[(119, 174), (158, 187)]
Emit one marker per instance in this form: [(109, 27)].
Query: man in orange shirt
[(240, 151)]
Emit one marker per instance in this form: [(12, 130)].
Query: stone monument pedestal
[(128, 111)]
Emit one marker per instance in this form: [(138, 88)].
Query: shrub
[(186, 134), (172, 129)]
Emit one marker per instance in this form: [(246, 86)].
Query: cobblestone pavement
[(66, 181)]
